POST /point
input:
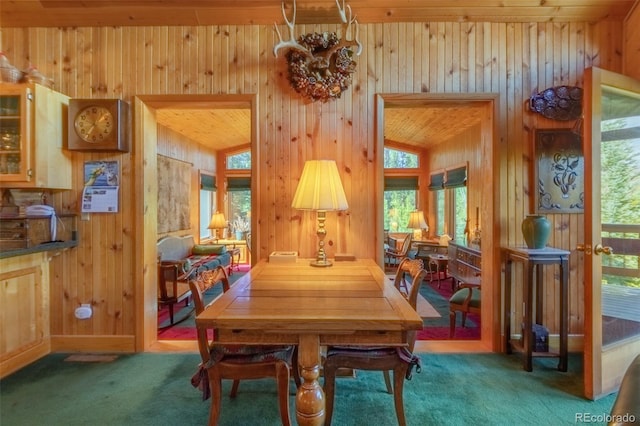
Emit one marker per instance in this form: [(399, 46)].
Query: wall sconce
[(320, 190)]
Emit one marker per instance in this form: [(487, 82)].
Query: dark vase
[(536, 230)]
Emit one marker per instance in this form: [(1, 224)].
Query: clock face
[(94, 124)]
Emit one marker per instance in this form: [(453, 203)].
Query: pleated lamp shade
[(416, 220), (320, 188), (217, 221)]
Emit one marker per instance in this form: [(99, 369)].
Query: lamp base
[(321, 263)]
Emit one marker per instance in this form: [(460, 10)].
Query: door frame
[(144, 152), (491, 296)]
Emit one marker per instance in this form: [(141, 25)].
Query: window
[(239, 161), (207, 202), (400, 188), (397, 159), (239, 192), (450, 194)]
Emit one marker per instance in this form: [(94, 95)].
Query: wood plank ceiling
[(412, 126), (98, 13)]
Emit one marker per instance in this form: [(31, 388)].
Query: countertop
[(38, 248)]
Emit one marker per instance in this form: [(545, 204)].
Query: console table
[(533, 261), (464, 263)]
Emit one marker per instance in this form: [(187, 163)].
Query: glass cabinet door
[(14, 134)]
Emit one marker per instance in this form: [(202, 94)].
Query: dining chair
[(465, 300), (400, 360), (393, 256), (237, 362)]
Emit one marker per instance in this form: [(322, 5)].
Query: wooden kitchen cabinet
[(33, 129), (24, 311)]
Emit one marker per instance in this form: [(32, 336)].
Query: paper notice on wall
[(100, 194), (100, 199)]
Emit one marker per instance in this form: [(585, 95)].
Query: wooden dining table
[(348, 303)]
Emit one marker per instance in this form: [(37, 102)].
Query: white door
[(612, 229)]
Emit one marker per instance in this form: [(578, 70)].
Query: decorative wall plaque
[(558, 103), (559, 171)]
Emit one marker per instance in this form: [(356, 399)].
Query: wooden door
[(612, 229)]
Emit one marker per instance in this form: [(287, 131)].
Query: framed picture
[(559, 171)]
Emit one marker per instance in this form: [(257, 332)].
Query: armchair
[(393, 256)]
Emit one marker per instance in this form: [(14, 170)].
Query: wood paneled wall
[(514, 60), (632, 42)]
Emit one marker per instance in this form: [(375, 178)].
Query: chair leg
[(329, 391), (387, 381), (215, 385), (171, 314), (282, 379), (399, 373), (464, 319), (452, 324), (234, 388)]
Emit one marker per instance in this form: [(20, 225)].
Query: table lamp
[(417, 223), (320, 190), (218, 222)]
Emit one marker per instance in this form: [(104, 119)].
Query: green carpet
[(154, 389)]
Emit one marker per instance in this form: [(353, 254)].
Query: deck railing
[(625, 242)]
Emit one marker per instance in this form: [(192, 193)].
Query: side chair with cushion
[(393, 256), (237, 362), (465, 300), (400, 360)]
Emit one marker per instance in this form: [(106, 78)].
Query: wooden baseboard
[(24, 358), (126, 344)]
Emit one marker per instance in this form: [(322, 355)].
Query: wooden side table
[(533, 260)]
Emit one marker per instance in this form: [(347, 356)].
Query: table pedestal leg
[(310, 404)]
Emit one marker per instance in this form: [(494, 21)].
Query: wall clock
[(98, 125)]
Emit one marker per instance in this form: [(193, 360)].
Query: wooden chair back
[(406, 245), (199, 285), (414, 269)]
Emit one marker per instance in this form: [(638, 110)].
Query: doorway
[(146, 112), (424, 108)]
